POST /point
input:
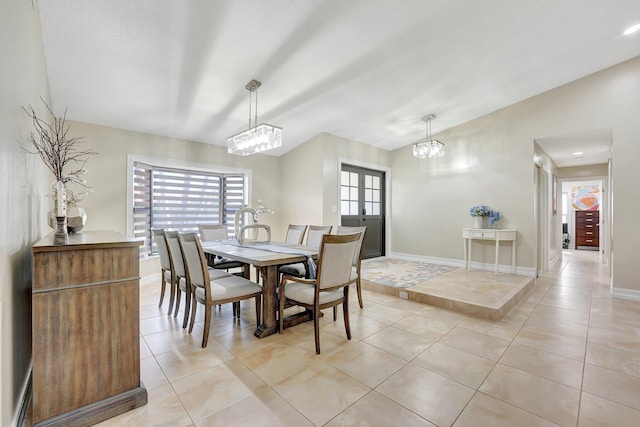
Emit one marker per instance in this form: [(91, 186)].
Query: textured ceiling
[(363, 70)]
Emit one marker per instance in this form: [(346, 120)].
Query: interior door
[(362, 203)]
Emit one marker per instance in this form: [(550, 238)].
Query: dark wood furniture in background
[(587, 230), (86, 338)]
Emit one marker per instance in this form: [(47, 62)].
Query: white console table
[(496, 234)]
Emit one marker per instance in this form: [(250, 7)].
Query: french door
[(362, 203)]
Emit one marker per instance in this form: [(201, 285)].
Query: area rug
[(400, 273)]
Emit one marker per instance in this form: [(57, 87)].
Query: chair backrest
[(195, 261), (295, 234), (209, 232), (315, 233), (163, 251), (350, 230), (334, 259), (175, 252)]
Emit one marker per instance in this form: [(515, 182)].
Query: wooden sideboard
[(86, 343), (587, 230)]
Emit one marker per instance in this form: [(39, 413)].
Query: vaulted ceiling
[(364, 70)]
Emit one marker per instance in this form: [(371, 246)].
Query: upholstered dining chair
[(166, 267), (330, 288), (211, 292), (294, 236), (177, 257), (357, 259), (211, 232), (314, 239)]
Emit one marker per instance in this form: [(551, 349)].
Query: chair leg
[(207, 325), (359, 292), (187, 306), (345, 312), (178, 298), (316, 329), (194, 307), (163, 285), (172, 298)]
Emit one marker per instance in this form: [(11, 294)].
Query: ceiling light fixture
[(260, 137), (428, 147), (632, 29)]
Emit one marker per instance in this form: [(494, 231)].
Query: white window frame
[(177, 164)]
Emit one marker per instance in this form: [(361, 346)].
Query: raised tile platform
[(477, 293)]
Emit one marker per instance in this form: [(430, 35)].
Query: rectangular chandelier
[(432, 148), (257, 138), (260, 138)]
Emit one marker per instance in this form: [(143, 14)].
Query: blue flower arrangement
[(484, 210), (479, 210)]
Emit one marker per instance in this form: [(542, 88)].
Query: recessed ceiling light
[(632, 29), (578, 153)]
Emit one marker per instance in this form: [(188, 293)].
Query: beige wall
[(24, 181), (106, 206), (490, 160), (310, 186)]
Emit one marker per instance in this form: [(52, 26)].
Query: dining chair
[(212, 232), (294, 236), (166, 267), (330, 288), (357, 259), (210, 291), (177, 257), (314, 239)]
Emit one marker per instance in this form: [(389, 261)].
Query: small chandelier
[(429, 147), (260, 137)]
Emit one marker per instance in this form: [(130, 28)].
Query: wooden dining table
[(267, 257)]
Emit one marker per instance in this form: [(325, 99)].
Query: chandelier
[(428, 147), (260, 137)]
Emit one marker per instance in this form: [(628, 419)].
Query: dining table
[(268, 257)]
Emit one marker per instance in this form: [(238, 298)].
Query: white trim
[(520, 271), (629, 294), (387, 189), (22, 402), (181, 164)]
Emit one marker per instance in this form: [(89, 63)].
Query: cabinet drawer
[(587, 241), (587, 226), (588, 233), (482, 234)]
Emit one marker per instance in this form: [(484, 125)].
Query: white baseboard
[(629, 294), (20, 412), (520, 271)]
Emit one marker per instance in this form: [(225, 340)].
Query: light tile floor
[(567, 354)]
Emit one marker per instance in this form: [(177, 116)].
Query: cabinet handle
[(589, 225), (589, 240)]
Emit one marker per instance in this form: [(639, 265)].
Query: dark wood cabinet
[(587, 230), (86, 344)]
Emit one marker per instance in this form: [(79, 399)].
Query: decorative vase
[(478, 222), (76, 219)]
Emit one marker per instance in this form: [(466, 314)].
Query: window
[(180, 199)]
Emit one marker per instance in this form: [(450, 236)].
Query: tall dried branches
[(50, 141)]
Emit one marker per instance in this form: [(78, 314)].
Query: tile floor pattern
[(567, 354)]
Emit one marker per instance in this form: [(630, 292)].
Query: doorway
[(362, 203)]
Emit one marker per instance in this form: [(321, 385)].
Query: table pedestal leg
[(269, 324)]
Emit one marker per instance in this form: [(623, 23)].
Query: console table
[(86, 337), (496, 234)]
